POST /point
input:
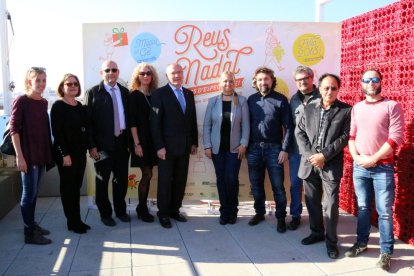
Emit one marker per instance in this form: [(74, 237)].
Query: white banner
[(205, 50)]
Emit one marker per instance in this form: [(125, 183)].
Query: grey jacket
[(297, 107), (335, 140), (240, 125)]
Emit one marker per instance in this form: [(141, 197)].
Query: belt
[(264, 144)]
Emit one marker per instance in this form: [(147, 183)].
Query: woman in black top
[(144, 80), (69, 125)]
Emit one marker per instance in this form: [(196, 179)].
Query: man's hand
[(193, 149), (242, 152), (366, 161), (162, 153), (317, 160)]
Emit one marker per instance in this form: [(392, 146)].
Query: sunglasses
[(368, 80), (113, 70), (71, 84), (37, 69), (145, 74)]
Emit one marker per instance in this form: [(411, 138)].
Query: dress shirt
[(120, 104)]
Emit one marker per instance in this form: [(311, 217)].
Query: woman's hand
[(207, 152), (138, 151), (242, 152), (21, 163)]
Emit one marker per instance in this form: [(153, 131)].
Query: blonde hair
[(31, 74), (230, 75), (135, 83)]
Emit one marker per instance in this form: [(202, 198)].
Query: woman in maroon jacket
[(30, 131)]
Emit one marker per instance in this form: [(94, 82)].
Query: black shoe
[(165, 222), (145, 216), (223, 221), (256, 219), (179, 217), (311, 239), (332, 251), (36, 238), (108, 221), (294, 224), (84, 225), (232, 220), (76, 227), (41, 230), (124, 218), (281, 225)]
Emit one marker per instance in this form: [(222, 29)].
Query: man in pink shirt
[(377, 129)]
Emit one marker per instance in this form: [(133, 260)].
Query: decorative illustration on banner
[(119, 37), (274, 50), (282, 87), (145, 47), (132, 181), (309, 49), (214, 55)]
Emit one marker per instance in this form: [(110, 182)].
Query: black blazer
[(101, 117), (170, 127), (336, 139)]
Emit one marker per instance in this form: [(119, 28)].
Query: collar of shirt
[(108, 87), (174, 88)]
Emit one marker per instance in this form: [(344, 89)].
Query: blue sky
[(48, 33)]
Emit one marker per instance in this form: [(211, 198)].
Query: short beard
[(264, 91), (376, 92)]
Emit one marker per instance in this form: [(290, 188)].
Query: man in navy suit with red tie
[(174, 132)]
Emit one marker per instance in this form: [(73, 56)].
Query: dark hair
[(59, 90), (338, 80), (266, 71), (374, 70)]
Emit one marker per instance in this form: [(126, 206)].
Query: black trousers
[(118, 164), (172, 180), (71, 179), (316, 187)]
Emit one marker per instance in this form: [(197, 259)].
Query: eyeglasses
[(143, 74), (113, 70), (368, 80), (302, 79), (71, 84)]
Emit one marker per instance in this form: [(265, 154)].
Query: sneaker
[(41, 230), (356, 249), (384, 261), (36, 238)]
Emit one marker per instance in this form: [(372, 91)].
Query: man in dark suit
[(108, 141), (174, 131), (322, 134)]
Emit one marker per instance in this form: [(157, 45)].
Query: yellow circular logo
[(309, 49), (282, 87)]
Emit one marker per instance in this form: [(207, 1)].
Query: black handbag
[(7, 143), (6, 146)]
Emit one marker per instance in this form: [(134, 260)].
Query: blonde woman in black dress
[(144, 80)]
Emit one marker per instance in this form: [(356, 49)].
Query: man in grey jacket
[(307, 93)]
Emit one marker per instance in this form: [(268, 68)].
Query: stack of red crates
[(383, 39)]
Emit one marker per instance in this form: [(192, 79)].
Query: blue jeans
[(259, 159), (30, 184), (296, 185), (378, 181), (227, 167)]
